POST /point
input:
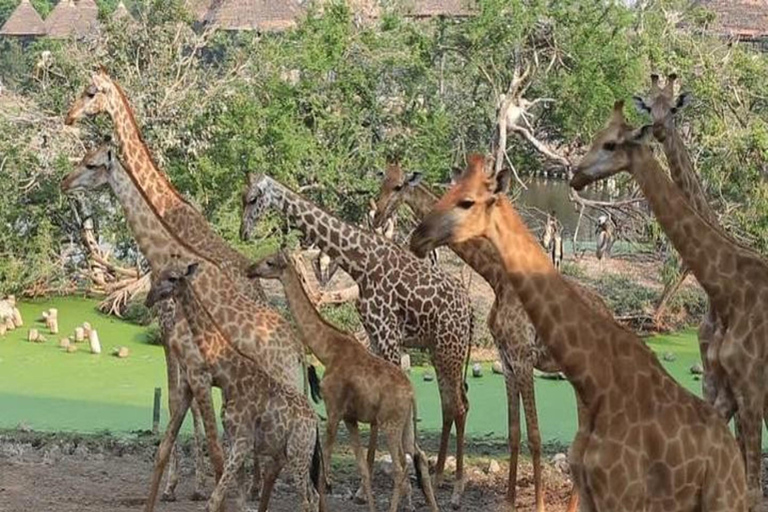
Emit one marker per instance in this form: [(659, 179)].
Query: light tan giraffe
[(734, 277), (253, 327), (663, 107), (259, 410), (357, 387), (648, 444), (520, 350)]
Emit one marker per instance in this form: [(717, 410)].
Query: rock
[(17, 320), (497, 368), (548, 376), (669, 357), (697, 369), (3, 329), (71, 348), (79, 334), (87, 329), (53, 325), (33, 335), (95, 343), (477, 370), (450, 463), (9, 325), (64, 342), (405, 362), (121, 352), (428, 377), (493, 467), (560, 462), (386, 464)]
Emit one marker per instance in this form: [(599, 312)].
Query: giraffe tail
[(314, 384), (469, 352)]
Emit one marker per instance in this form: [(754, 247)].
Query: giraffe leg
[(331, 428), (513, 427), (270, 475), (576, 460), (174, 397), (372, 442), (362, 465), (395, 445), (203, 398), (751, 426), (166, 446), (238, 453), (199, 450), (256, 482), (534, 435)]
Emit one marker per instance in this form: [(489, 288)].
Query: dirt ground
[(58, 473)]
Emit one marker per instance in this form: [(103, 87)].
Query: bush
[(154, 336), (137, 313), (624, 296)]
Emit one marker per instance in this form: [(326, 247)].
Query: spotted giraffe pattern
[(253, 326), (403, 301), (520, 350), (357, 386), (104, 95), (647, 443), (260, 411)]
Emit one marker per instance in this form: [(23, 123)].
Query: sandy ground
[(60, 475)]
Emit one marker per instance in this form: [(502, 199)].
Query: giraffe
[(256, 328), (663, 107), (519, 348), (402, 300), (104, 95), (259, 409), (357, 386), (648, 444), (734, 277)]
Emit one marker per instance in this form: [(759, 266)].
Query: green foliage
[(624, 295), (137, 313), (343, 316)]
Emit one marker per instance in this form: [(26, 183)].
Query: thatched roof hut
[(24, 21), (121, 12), (431, 8), (261, 15), (743, 19), (70, 19)]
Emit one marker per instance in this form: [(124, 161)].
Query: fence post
[(156, 411)]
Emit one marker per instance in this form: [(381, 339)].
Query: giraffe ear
[(110, 156), (415, 179), (641, 135), (641, 105), (456, 173), (683, 100), (503, 181), (192, 269)]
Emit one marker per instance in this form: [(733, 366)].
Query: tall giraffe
[(649, 444), (253, 327), (403, 301), (260, 410), (357, 386), (520, 350), (734, 277), (663, 107)]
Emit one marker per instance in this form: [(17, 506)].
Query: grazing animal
[(357, 387)]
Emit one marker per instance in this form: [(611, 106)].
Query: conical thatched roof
[(89, 16), (262, 15), (63, 19), (24, 21), (747, 19), (121, 12), (430, 8), (199, 8)]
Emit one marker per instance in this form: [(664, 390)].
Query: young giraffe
[(254, 327), (259, 411), (734, 277), (357, 387), (648, 444), (663, 107), (402, 301), (519, 348)]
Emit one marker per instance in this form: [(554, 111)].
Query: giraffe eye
[(91, 91), (466, 204)]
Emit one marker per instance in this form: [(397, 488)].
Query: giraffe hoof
[(168, 497), (198, 496)]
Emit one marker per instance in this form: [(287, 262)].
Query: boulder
[(669, 357), (33, 335), (477, 370), (497, 368), (697, 369), (428, 377), (121, 352), (79, 335), (95, 343)]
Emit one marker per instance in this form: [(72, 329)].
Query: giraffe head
[(257, 199), (611, 149), (93, 170), (395, 186), (465, 211), (94, 100), (662, 105), (271, 267), (169, 281)]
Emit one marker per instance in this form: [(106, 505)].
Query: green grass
[(48, 389)]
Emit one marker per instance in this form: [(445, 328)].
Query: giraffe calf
[(358, 387), (259, 412)]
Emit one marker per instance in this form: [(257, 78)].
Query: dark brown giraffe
[(648, 444)]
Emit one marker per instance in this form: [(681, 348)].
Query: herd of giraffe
[(644, 443)]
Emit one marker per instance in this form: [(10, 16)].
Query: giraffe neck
[(477, 253), (155, 240), (317, 334), (588, 346), (685, 177), (700, 244), (138, 160), (349, 246)]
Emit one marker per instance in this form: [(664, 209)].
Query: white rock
[(33, 335), (405, 362), (497, 368), (493, 467), (79, 334), (477, 370), (17, 320), (95, 344)]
